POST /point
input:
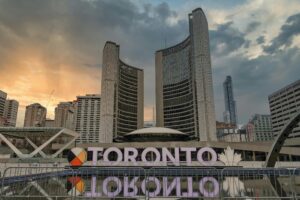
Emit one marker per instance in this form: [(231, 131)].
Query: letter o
[(212, 153), (157, 184), (113, 149), (117, 191), (147, 150), (204, 192)]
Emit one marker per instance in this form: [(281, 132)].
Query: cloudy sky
[(51, 50)]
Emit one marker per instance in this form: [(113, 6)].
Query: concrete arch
[(279, 141)]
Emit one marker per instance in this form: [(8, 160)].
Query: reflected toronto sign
[(139, 186), (149, 156), (153, 187)]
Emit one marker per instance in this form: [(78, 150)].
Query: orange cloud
[(29, 78)]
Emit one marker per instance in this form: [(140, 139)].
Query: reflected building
[(122, 91), (184, 87)]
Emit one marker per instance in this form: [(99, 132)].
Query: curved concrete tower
[(184, 87), (122, 96)]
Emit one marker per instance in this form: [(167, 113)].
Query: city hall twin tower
[(184, 89)]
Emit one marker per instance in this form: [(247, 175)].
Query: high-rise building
[(230, 115), (3, 96), (87, 118), (2, 121), (8, 110), (64, 115), (11, 112), (122, 92), (35, 115), (259, 128), (284, 104), (184, 86)]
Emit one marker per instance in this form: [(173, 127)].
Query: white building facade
[(259, 128), (11, 112), (284, 104), (87, 120), (3, 96)]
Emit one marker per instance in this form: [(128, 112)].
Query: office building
[(11, 112), (184, 86), (8, 110), (230, 115), (284, 104), (2, 121), (49, 123), (122, 92), (35, 115), (259, 128), (3, 96), (64, 115), (229, 133), (87, 118)]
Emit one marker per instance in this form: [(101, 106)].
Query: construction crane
[(39, 122)]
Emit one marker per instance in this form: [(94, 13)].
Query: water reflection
[(135, 187)]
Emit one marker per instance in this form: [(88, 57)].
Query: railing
[(147, 183)]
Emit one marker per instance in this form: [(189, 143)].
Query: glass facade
[(230, 115), (184, 90), (127, 104), (178, 91)]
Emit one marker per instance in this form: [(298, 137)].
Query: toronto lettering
[(162, 157)]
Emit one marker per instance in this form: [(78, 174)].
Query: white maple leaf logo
[(233, 186), (229, 158)]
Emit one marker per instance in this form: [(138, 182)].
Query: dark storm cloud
[(252, 27), (288, 31), (226, 39), (84, 24), (68, 37), (260, 39), (73, 33)]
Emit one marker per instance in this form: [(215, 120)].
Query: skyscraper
[(184, 87), (122, 92), (35, 115), (8, 110), (229, 114), (3, 96), (11, 112), (87, 120), (64, 115)]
